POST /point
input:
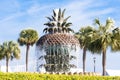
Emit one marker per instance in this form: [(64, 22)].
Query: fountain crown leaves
[(58, 23)]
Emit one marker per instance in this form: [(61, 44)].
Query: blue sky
[(16, 15)]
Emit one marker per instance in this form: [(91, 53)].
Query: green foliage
[(9, 50), (116, 40), (86, 36), (37, 76), (28, 37), (105, 38)]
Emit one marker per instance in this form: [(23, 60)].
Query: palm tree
[(105, 38), (1, 57), (28, 37), (57, 23), (9, 50), (85, 36)]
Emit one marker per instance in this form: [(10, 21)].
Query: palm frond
[(97, 22), (54, 13), (45, 30), (68, 24), (63, 24), (59, 15), (109, 24), (49, 18), (48, 24), (54, 18), (70, 30), (63, 13), (65, 20)]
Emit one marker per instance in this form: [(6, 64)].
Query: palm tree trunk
[(27, 49), (7, 60), (84, 58), (104, 62)]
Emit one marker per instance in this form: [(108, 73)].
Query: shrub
[(38, 76)]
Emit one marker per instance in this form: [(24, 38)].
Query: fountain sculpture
[(58, 49)]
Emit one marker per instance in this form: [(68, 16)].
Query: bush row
[(38, 76), (73, 73)]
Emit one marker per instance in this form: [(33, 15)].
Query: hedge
[(38, 76)]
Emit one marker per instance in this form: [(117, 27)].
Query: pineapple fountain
[(58, 49)]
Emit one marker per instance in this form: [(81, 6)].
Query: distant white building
[(76, 70), (112, 72), (20, 67), (3, 69)]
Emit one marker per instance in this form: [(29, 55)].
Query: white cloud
[(30, 11), (83, 12), (33, 9), (37, 8), (12, 16)]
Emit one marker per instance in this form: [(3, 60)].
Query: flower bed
[(38, 76)]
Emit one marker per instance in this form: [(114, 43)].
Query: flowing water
[(57, 58)]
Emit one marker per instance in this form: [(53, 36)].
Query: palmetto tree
[(105, 38), (1, 57), (85, 36), (57, 23), (28, 38), (9, 50)]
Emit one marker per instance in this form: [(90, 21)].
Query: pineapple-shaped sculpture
[(56, 47)]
